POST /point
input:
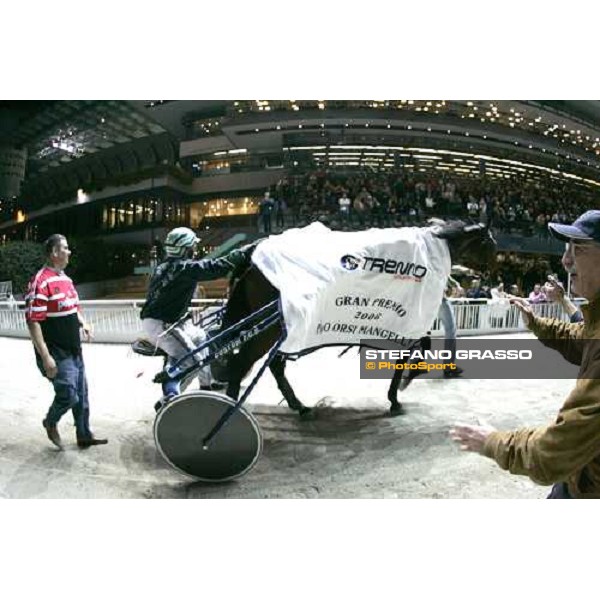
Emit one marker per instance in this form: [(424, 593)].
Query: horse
[(470, 244)]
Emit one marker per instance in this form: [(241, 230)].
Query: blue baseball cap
[(585, 228)]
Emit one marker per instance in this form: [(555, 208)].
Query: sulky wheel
[(181, 426)]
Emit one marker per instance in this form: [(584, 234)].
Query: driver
[(170, 292)]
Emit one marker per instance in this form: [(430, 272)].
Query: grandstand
[(122, 173)]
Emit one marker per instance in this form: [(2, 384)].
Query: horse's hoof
[(306, 414), (396, 409)]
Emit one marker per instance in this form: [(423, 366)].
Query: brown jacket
[(568, 450)]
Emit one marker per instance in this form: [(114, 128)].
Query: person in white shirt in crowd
[(499, 306), (344, 209)]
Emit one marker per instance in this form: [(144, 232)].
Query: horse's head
[(470, 244)]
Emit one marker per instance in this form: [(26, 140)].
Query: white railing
[(5, 290), (114, 321), (118, 321), (484, 317)]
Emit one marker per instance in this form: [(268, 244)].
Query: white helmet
[(179, 240)]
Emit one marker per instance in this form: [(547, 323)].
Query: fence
[(5, 290), (118, 321)]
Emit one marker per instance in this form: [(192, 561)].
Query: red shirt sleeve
[(36, 301)]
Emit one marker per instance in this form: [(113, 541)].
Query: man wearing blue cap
[(565, 453)]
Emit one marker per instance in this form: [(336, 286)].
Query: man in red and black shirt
[(54, 321)]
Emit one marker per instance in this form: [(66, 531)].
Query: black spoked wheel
[(181, 426)]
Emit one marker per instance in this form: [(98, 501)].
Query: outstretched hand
[(471, 437), (524, 309), (554, 290)]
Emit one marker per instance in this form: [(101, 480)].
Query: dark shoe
[(452, 373), (163, 402), (52, 433), (91, 441)]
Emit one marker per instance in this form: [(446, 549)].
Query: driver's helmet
[(179, 240)]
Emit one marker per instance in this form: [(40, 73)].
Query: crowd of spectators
[(369, 199), (480, 289), (477, 290), (361, 200)]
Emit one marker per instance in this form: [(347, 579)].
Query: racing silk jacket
[(568, 450), (173, 283)]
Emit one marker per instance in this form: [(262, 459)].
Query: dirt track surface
[(352, 449)]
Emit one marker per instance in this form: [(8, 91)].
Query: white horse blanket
[(343, 287)]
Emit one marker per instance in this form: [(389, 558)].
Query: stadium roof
[(85, 140)]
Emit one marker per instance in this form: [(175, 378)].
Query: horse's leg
[(401, 379), (277, 367), (396, 407), (240, 364), (235, 374), (423, 344), (251, 292)]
